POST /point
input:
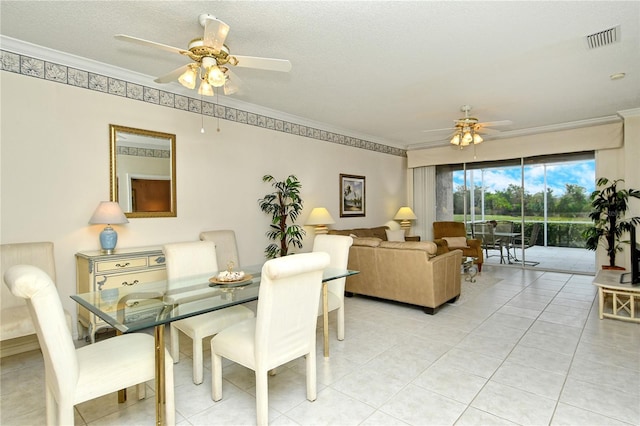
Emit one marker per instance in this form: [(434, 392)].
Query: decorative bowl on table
[(230, 276)]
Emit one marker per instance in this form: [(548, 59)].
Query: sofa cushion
[(367, 241), (456, 242), (429, 246), (377, 232), (395, 234)]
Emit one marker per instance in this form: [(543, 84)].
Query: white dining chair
[(75, 375), (188, 259), (284, 328), (337, 246), (226, 246)]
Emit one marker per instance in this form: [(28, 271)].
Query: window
[(552, 191)]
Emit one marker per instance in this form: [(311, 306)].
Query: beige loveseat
[(407, 272)]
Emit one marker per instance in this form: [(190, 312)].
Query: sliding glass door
[(537, 207)]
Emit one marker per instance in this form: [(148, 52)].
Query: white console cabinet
[(96, 271)]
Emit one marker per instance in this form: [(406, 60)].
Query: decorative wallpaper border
[(142, 152), (38, 68)]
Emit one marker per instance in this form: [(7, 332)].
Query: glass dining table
[(135, 308)]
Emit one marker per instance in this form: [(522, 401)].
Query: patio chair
[(505, 227), (527, 242), (485, 232)]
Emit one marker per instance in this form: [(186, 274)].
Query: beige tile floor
[(519, 347)]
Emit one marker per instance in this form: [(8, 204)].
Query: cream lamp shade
[(320, 217), (405, 215), (108, 213)]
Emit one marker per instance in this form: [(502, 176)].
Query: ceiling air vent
[(604, 38)]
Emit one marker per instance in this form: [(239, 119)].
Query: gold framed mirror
[(142, 167)]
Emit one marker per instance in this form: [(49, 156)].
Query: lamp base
[(406, 225), (321, 229), (108, 240)]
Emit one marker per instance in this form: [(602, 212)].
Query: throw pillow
[(395, 235), (456, 242)]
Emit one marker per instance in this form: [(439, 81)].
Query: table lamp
[(405, 215), (320, 217), (108, 213)]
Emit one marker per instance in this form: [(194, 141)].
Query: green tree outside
[(567, 214)]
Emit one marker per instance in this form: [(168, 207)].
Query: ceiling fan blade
[(487, 131), (148, 43), (496, 123), (215, 32), (172, 76), (439, 130), (268, 64)]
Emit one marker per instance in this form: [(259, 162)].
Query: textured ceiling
[(385, 69)]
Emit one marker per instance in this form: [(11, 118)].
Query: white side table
[(624, 296)]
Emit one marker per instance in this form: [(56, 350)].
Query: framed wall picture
[(352, 196)]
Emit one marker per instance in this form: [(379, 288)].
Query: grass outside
[(527, 219)]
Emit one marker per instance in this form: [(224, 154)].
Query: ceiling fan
[(468, 129), (211, 59)]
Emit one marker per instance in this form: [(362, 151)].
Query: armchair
[(448, 236), (17, 330)]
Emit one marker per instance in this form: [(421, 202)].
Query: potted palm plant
[(284, 205), (609, 205)]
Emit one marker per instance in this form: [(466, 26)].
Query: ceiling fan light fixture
[(477, 139), (230, 87), (205, 88), (215, 76), (209, 55), (189, 77), (455, 140), (467, 139)]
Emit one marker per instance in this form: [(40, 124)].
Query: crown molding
[(532, 130), (627, 113), (86, 64)]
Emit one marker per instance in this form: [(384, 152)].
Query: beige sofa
[(407, 272)]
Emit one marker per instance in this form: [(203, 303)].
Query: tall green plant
[(284, 205), (609, 207)]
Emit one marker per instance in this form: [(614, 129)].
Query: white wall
[(54, 161)]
